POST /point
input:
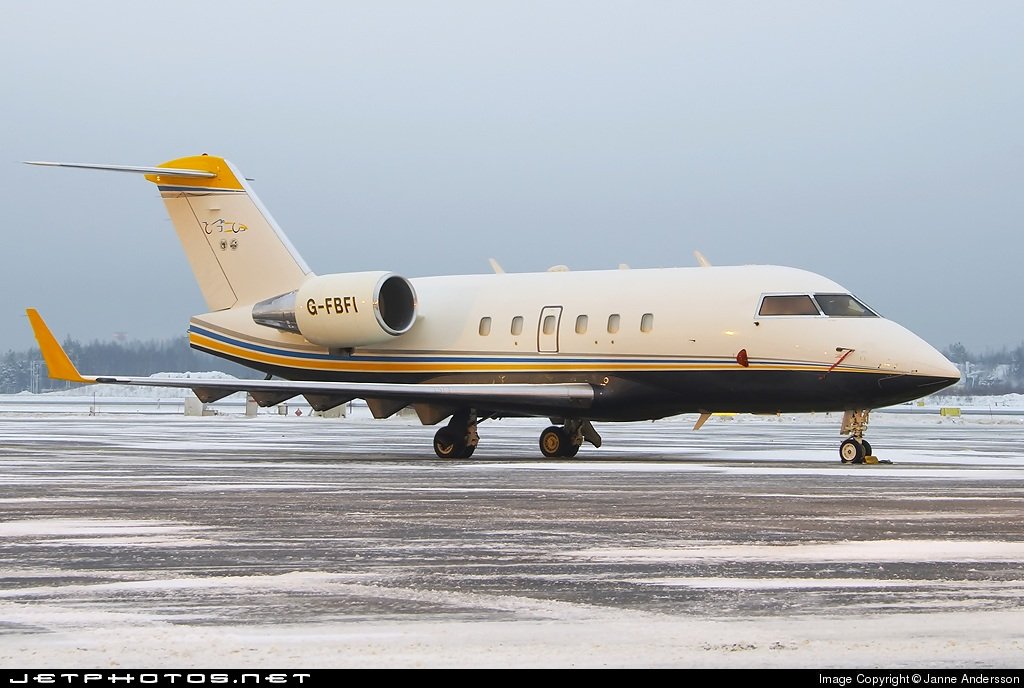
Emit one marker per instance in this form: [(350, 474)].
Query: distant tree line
[(25, 370), (993, 372)]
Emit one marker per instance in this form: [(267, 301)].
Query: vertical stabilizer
[(237, 252)]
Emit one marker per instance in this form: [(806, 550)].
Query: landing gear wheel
[(551, 442), (852, 450), (867, 447), (556, 443), (449, 444)]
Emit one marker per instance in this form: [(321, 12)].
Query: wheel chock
[(874, 459)]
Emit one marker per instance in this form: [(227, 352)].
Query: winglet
[(58, 364)]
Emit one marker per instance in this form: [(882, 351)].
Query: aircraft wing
[(387, 396)]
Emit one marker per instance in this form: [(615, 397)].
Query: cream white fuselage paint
[(703, 313)]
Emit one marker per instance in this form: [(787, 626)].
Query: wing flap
[(208, 396), (265, 399), (432, 414), (385, 408), (325, 402)]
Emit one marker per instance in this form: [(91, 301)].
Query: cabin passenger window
[(549, 324), (581, 324), (613, 323), (485, 326), (843, 306), (517, 325), (798, 304), (647, 322)]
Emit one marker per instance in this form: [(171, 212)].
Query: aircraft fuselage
[(653, 342)]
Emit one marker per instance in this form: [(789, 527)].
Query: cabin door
[(547, 329)]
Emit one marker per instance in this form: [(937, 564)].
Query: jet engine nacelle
[(344, 310)]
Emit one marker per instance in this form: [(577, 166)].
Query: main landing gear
[(564, 442), (856, 449), (459, 438), (556, 442)]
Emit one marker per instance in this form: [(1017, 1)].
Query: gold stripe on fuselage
[(299, 362)]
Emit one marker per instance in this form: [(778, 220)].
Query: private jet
[(573, 347)]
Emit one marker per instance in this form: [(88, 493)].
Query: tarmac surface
[(131, 521)]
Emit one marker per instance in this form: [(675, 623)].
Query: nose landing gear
[(856, 449)]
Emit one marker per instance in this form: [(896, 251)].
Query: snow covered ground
[(135, 539)]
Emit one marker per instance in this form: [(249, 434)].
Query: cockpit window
[(843, 306), (797, 304)]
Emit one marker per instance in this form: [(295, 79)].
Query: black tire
[(449, 445), (553, 442), (867, 448), (851, 451)]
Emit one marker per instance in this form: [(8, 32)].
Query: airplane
[(574, 347)]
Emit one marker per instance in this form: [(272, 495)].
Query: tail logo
[(223, 227)]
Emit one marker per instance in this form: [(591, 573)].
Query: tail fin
[(237, 252)]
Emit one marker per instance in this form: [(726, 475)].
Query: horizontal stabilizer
[(167, 171)]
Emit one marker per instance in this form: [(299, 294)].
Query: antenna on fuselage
[(701, 260)]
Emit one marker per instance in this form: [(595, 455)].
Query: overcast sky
[(878, 143)]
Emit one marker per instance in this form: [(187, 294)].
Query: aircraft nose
[(909, 354), (938, 366), (951, 372), (928, 371)]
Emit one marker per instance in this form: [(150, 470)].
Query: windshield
[(796, 304), (843, 306)]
